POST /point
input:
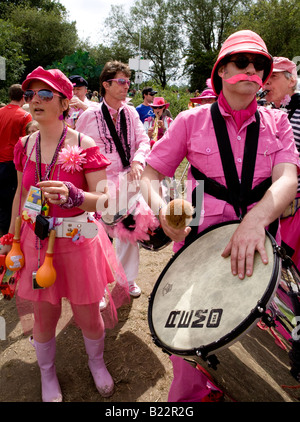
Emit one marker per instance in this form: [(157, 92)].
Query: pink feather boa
[(145, 222)]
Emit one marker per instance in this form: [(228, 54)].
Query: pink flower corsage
[(285, 100), (72, 158)]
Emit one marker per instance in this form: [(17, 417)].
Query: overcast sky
[(90, 15)]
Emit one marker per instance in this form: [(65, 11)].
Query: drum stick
[(179, 213)]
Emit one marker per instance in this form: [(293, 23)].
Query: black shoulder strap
[(123, 155), (238, 191), (229, 168)]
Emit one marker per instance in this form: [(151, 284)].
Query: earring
[(61, 117)]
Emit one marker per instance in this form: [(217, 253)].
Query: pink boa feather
[(145, 221)]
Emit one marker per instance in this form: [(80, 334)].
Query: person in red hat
[(243, 66), (62, 169), (157, 125)]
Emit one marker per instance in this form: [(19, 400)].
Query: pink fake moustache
[(243, 77)]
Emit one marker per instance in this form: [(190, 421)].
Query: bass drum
[(198, 307)]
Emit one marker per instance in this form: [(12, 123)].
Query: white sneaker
[(134, 289)]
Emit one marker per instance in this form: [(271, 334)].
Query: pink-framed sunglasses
[(43, 94), (121, 81)]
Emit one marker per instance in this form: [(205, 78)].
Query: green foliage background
[(181, 38)]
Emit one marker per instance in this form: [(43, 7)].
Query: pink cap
[(55, 78), (282, 64)]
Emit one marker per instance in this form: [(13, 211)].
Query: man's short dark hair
[(147, 90), (109, 72), (16, 92)]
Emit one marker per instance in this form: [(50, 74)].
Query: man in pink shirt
[(243, 65), (111, 123)]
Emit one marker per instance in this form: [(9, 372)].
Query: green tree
[(149, 29), (37, 26), (6, 6), (15, 58), (116, 51), (277, 22), (80, 63), (206, 24)]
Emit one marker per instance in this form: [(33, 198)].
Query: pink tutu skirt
[(86, 272)]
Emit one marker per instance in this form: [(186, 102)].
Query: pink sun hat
[(282, 64), (244, 41), (207, 93), (55, 78), (159, 102)]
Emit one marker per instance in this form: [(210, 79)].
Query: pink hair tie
[(7, 239)]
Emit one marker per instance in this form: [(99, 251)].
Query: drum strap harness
[(238, 194), (123, 153)]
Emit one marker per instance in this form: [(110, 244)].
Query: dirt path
[(252, 370)]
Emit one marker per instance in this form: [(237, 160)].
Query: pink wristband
[(76, 197)]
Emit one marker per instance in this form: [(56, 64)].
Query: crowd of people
[(72, 150)]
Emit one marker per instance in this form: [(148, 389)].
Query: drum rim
[(246, 324), (165, 241)]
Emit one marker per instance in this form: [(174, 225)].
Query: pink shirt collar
[(112, 110), (239, 116)]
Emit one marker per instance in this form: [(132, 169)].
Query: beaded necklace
[(51, 167)]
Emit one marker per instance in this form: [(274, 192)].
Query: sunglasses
[(121, 81), (158, 107), (43, 94), (259, 62)]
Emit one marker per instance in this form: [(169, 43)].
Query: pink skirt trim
[(85, 273)]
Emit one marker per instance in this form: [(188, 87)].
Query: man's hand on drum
[(247, 239), (177, 235), (136, 170)]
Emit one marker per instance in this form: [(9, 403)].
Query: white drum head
[(197, 302)]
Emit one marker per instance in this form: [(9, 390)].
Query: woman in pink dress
[(67, 168)]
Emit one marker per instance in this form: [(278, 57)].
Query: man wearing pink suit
[(243, 65), (114, 85)]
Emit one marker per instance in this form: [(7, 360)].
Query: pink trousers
[(189, 384)]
